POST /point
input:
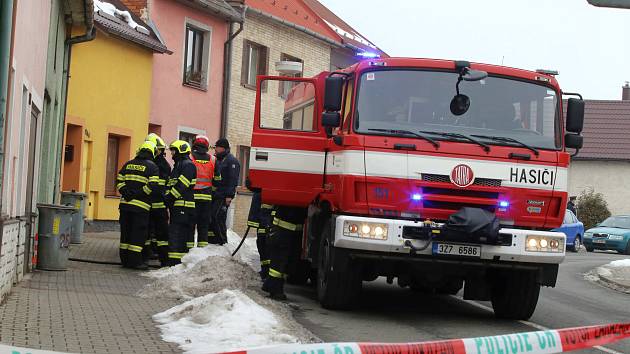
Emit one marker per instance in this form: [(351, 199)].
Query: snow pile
[(619, 263), (207, 270), (615, 275), (224, 321), (124, 15)]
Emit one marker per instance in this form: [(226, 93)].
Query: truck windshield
[(419, 101)]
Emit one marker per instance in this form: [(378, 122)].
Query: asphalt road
[(388, 313)]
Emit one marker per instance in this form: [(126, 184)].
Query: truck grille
[(458, 198), (488, 182)]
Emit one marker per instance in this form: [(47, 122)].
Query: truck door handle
[(404, 146), (262, 156)]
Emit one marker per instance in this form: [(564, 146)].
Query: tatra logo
[(462, 176)]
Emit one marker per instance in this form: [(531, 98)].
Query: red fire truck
[(397, 160)]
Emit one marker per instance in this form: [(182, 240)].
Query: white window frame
[(207, 50)]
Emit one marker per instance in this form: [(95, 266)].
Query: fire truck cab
[(384, 155)]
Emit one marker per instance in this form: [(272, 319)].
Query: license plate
[(599, 241), (456, 250)]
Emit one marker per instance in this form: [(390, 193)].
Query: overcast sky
[(589, 46)]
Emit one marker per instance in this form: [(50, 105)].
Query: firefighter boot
[(275, 287)]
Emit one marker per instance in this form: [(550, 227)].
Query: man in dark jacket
[(136, 182), (226, 174), (158, 217), (181, 201)]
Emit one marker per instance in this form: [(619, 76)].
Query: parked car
[(574, 229), (611, 234)]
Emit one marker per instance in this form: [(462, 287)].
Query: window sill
[(248, 86), (112, 197), (195, 86)]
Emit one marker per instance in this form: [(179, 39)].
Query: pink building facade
[(22, 136), (188, 84)]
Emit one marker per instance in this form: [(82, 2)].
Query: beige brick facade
[(279, 39)]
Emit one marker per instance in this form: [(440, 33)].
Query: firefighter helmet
[(202, 140), (155, 139), (180, 147), (148, 146)]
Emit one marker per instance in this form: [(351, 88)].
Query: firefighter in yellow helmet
[(180, 200), (136, 182), (158, 217)]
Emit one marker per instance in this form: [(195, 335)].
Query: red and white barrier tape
[(539, 342)]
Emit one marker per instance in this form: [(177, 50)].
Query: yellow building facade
[(108, 109)]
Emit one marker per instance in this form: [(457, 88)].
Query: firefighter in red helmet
[(204, 163)]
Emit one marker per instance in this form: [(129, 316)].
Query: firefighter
[(226, 173), (180, 200), (260, 219), (136, 182), (158, 217), (204, 163), (284, 239)]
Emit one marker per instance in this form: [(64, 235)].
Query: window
[(285, 86), (187, 137), (195, 57), (243, 158), (155, 128), (255, 57), (296, 111), (113, 147)]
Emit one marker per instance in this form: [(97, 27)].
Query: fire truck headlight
[(369, 230), (553, 244)]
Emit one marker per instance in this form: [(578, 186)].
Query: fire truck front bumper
[(394, 236)]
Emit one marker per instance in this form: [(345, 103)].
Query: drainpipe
[(90, 34), (6, 35), (227, 73)]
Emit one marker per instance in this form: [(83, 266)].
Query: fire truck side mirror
[(575, 115), (573, 141), (331, 119), (333, 94)]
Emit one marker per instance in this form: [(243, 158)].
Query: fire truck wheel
[(515, 294), (337, 287)]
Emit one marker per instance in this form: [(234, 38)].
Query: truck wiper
[(433, 142), (485, 146), (509, 140)]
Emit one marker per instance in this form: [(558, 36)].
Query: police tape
[(539, 342), (7, 349)]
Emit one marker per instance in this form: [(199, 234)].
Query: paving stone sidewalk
[(90, 308)]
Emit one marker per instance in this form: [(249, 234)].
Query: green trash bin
[(78, 201), (55, 224)]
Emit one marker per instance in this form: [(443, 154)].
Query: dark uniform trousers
[(284, 239), (260, 218), (202, 217), (133, 234), (158, 229), (218, 227), (181, 233)]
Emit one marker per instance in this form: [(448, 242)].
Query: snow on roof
[(124, 15)]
